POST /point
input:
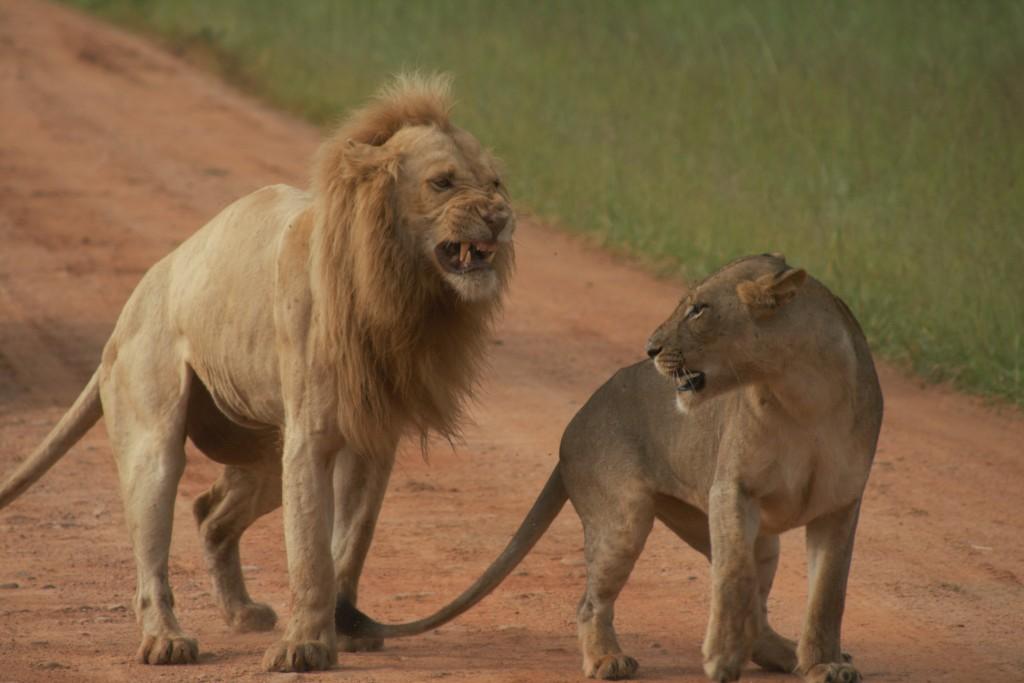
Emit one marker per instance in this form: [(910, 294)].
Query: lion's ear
[(768, 292), (364, 159)]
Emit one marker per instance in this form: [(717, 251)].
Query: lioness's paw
[(612, 667), (309, 655), (350, 644), (837, 672), (723, 669), (167, 650), (254, 616), (774, 652)]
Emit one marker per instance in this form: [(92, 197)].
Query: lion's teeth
[(464, 253)]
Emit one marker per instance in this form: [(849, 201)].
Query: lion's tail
[(83, 414), (350, 621)]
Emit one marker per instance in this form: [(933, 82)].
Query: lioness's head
[(429, 198), (728, 330)]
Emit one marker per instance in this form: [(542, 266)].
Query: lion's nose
[(653, 348), (496, 221)]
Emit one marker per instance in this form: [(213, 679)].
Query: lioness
[(769, 422), (296, 334)]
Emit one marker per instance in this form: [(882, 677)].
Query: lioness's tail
[(350, 621), (82, 415)]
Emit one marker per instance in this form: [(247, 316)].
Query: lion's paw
[(167, 650), (350, 644), (836, 672), (612, 667), (309, 655), (723, 669), (254, 616)]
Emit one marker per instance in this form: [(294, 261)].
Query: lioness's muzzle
[(690, 381)]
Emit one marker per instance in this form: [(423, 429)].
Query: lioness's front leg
[(829, 549), (309, 643), (735, 618), (360, 480)]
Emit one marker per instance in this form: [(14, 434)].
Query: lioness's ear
[(768, 292), (785, 284)]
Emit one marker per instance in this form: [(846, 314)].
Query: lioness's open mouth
[(689, 380), (463, 257)]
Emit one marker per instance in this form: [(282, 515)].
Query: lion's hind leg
[(239, 497), (144, 393), (249, 487)]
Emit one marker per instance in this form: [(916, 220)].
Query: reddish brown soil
[(112, 152)]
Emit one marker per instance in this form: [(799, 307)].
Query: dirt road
[(112, 152)]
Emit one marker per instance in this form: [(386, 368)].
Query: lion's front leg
[(735, 599), (829, 550), (309, 643), (360, 481)]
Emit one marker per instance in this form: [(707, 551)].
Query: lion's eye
[(442, 183), (695, 311), (497, 184)]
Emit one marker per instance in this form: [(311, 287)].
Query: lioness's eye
[(442, 183), (694, 311), (497, 184)]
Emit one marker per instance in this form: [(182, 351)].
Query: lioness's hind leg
[(613, 542), (771, 651), (829, 551), (144, 404), (224, 512)]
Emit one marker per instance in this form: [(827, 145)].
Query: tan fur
[(295, 338), (374, 302), (781, 435)]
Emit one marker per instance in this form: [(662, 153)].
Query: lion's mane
[(404, 350)]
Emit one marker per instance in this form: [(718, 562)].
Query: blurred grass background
[(880, 144)]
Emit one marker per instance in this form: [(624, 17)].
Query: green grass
[(878, 143)]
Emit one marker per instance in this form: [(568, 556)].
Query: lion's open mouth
[(688, 380), (463, 257)]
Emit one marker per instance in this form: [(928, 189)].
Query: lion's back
[(212, 297), (245, 229)]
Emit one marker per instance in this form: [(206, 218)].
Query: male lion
[(769, 423), (295, 334)]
